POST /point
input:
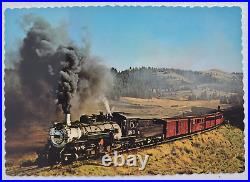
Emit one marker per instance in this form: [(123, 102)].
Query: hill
[(167, 83), (178, 84)]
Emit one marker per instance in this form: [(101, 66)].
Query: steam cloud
[(50, 69), (106, 104)]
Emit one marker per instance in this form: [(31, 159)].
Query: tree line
[(149, 82)]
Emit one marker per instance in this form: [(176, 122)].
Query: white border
[(242, 5)]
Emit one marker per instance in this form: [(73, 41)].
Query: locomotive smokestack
[(67, 119)]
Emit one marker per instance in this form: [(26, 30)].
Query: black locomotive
[(95, 135)]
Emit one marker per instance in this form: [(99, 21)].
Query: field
[(160, 107), (217, 151)]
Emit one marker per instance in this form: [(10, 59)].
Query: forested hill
[(169, 83), (148, 82)]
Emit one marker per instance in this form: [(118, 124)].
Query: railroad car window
[(210, 118)]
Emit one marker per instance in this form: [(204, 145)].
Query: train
[(95, 135)]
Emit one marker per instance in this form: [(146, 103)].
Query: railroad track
[(25, 171), (33, 170), (172, 139)]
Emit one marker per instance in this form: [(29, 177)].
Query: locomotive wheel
[(53, 157), (42, 160), (68, 158), (42, 156)]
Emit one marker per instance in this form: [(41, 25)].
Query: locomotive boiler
[(89, 136)]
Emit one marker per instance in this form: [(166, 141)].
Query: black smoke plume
[(50, 71), (67, 85)]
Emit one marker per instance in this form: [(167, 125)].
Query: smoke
[(106, 104), (82, 77), (67, 84), (50, 71)]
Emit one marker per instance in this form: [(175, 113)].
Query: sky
[(123, 37)]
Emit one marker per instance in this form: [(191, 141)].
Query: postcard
[(125, 91)]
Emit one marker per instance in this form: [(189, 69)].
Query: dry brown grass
[(148, 108), (221, 150), (217, 151), (170, 102)]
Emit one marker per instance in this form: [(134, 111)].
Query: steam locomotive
[(93, 136)]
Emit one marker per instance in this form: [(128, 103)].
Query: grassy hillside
[(175, 84), (217, 151)]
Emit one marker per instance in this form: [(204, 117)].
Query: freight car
[(96, 135), (192, 124)]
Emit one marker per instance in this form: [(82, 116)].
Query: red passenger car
[(197, 124), (182, 127), (177, 127), (210, 121), (219, 118), (171, 127), (191, 124)]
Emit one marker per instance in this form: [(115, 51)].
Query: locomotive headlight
[(58, 137)]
